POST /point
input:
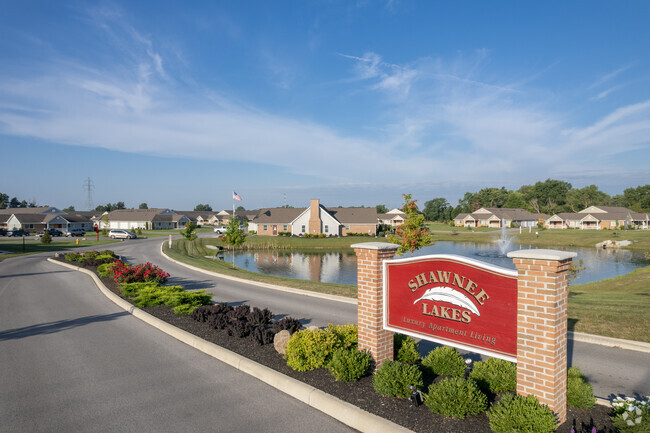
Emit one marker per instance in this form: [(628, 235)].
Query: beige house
[(393, 218), (600, 218), (316, 220), (497, 218)]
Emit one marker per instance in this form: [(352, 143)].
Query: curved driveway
[(72, 361), (611, 371)]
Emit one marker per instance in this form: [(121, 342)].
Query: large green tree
[(381, 208), (413, 234), (436, 209), (581, 198), (547, 197), (203, 208), (637, 199)]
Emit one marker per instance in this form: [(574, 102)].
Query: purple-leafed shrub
[(259, 317), (218, 321), (287, 323), (262, 335), (238, 328), (240, 312)]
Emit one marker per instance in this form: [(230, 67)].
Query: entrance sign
[(469, 304), (455, 301)]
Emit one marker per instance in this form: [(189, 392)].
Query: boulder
[(280, 341)]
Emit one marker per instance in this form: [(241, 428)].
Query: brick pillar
[(370, 300), (542, 326)]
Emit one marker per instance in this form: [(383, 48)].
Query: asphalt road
[(610, 371), (72, 361)]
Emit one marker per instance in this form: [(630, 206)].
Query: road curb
[(617, 343), (344, 412), (265, 285)]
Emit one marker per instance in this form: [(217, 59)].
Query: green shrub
[(73, 257), (456, 397), (393, 379), (90, 254), (444, 360), (172, 296), (313, 348), (106, 258), (406, 348), (349, 365), (46, 238), (515, 413), (131, 290), (495, 375), (103, 271), (580, 394)]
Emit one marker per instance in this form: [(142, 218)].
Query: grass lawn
[(561, 239), (32, 246), (617, 307)]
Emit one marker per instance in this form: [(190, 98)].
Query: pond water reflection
[(341, 267)]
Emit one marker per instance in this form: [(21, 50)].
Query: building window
[(347, 228), (327, 229), (303, 229), (264, 227), (284, 227)]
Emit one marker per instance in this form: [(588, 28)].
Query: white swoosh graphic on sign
[(445, 294)]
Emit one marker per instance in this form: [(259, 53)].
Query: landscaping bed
[(361, 393)]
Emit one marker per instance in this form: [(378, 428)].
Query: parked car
[(17, 233), (220, 230), (3, 232), (121, 234), (52, 232), (75, 232)]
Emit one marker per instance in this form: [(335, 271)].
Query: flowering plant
[(631, 415), (143, 273)]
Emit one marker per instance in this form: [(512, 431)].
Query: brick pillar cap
[(540, 254), (375, 246)]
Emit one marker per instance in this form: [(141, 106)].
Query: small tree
[(143, 206), (413, 234), (46, 238), (188, 233), (234, 236)]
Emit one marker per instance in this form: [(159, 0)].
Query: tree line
[(549, 197)]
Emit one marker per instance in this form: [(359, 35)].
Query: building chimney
[(314, 217)]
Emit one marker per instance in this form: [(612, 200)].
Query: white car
[(121, 234), (220, 230)]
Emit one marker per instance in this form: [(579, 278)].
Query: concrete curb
[(575, 336), (344, 412), (617, 343), (265, 285)]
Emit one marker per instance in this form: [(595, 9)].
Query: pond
[(341, 267)]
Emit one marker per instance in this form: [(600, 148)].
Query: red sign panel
[(454, 301)]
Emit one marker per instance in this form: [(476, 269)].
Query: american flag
[(236, 196)]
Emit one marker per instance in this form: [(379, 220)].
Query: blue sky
[(355, 103)]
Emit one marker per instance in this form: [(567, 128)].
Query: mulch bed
[(361, 393)]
